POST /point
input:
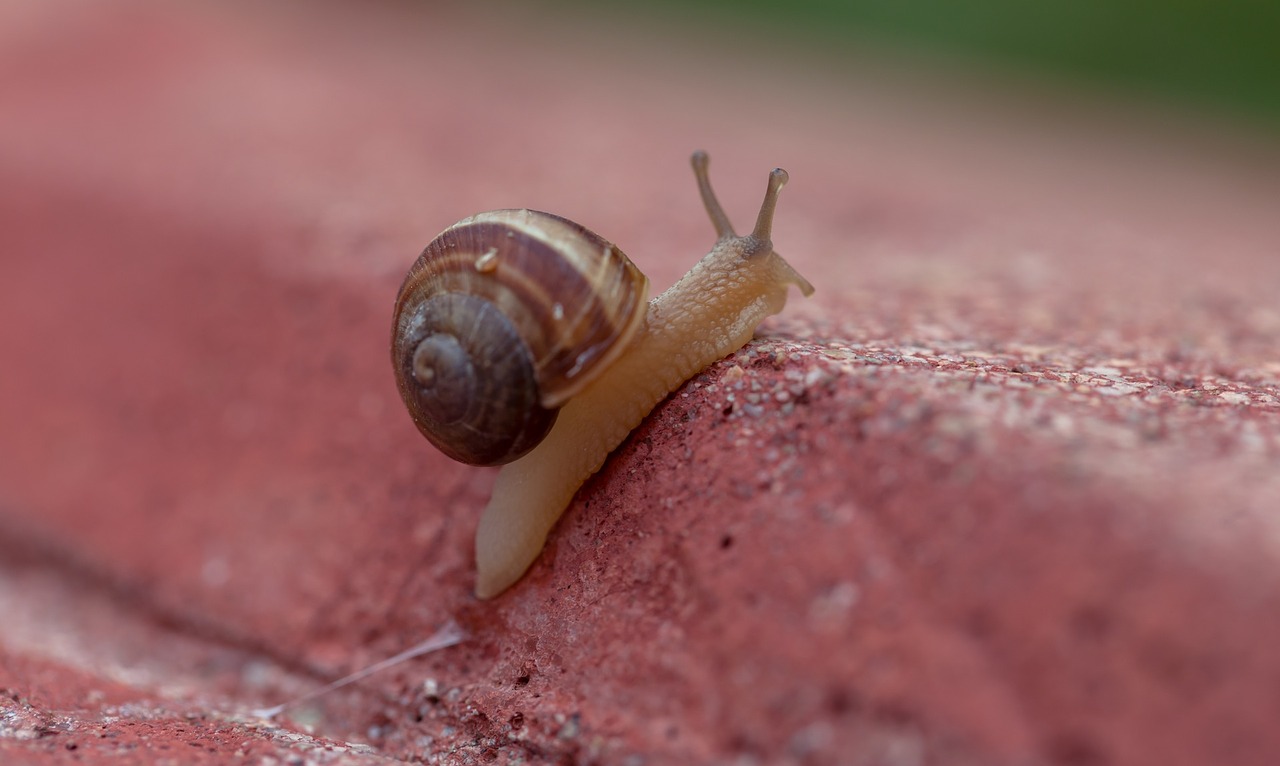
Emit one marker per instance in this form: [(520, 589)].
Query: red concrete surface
[(1003, 491)]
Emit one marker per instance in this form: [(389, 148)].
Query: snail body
[(709, 313)]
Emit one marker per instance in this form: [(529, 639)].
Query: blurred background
[(1220, 57), (206, 209)]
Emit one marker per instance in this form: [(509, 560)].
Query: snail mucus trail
[(521, 338)]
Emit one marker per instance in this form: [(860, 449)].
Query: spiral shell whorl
[(502, 318)]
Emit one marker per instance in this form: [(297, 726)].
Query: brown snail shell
[(505, 316)]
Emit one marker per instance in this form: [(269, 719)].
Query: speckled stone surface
[(1004, 490)]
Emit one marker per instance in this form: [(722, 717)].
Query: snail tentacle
[(701, 162)]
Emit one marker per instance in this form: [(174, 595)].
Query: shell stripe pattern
[(580, 310)]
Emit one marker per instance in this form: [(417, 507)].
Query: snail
[(525, 340)]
